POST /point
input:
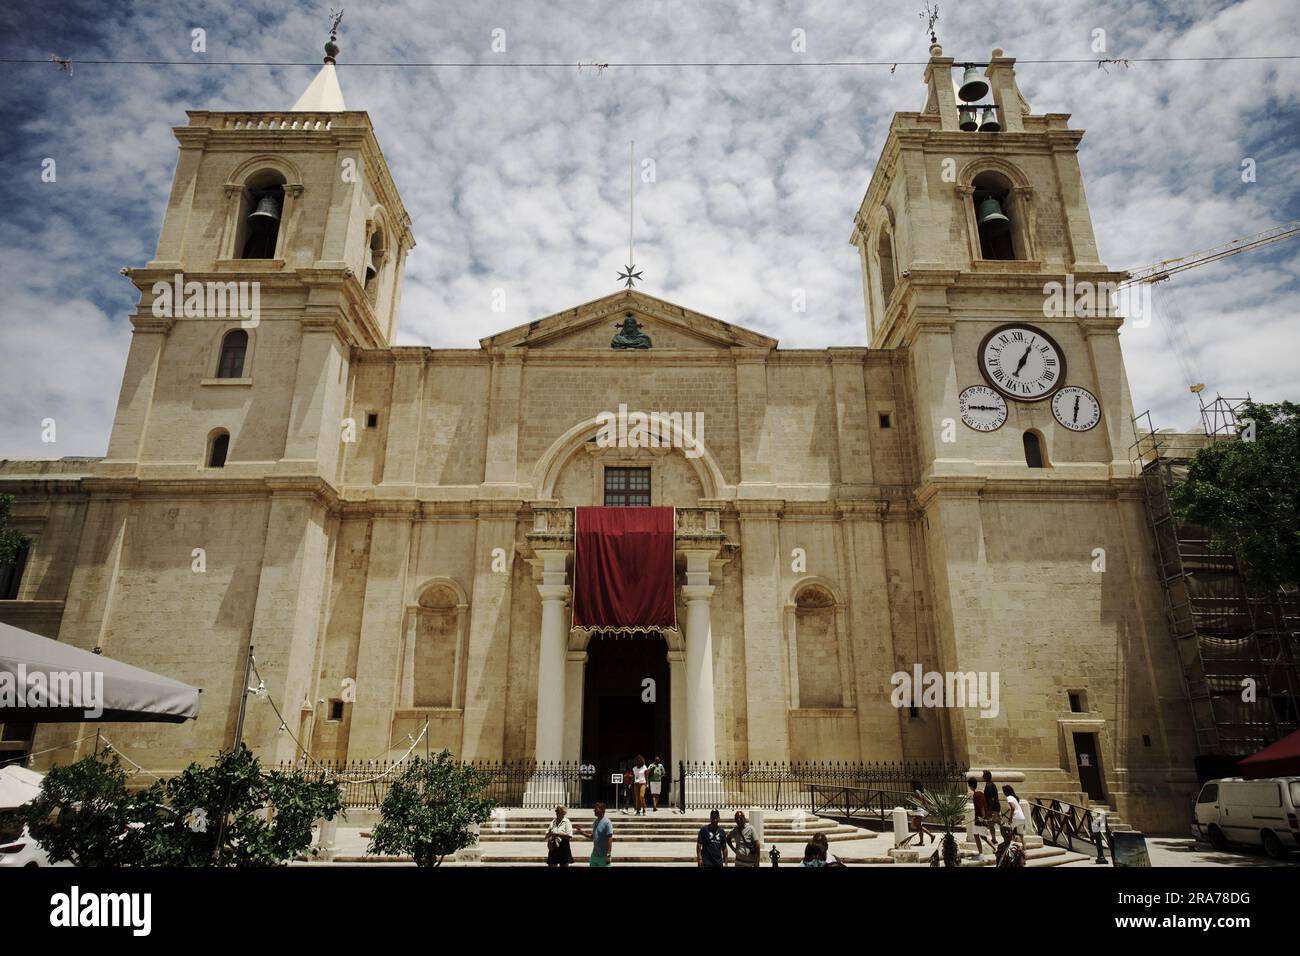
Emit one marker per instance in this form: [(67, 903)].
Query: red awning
[(1281, 759), (623, 569)]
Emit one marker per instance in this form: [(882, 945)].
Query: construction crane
[(1159, 271)]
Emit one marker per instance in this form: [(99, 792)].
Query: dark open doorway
[(1085, 755), (622, 715)]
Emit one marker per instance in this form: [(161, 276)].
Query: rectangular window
[(336, 710), (11, 575), (1077, 704), (15, 731), (372, 419), (884, 420), (627, 487)]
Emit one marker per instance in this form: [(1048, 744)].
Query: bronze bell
[(992, 218), (371, 271), (973, 86), (966, 120), (267, 211), (989, 121)]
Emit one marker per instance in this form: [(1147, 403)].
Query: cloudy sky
[(516, 178)]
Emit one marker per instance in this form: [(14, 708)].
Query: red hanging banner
[(623, 569)]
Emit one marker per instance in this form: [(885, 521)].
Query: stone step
[(689, 828), (687, 840)]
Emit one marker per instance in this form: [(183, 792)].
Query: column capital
[(553, 592), (698, 592)]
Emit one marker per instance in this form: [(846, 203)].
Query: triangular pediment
[(593, 325)]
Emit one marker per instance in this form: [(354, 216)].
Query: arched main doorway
[(626, 705)]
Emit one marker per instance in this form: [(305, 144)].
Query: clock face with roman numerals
[(1022, 362)]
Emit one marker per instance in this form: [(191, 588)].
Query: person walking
[(991, 798), (558, 837), (918, 816), (744, 842), (602, 838), (639, 771), (981, 817), (656, 781), (1009, 852), (627, 788), (711, 843), (1017, 813)]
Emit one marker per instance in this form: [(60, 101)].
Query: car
[(1236, 812), (17, 846)]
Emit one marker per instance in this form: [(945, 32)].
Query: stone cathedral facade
[(391, 528)]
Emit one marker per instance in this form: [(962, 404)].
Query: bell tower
[(980, 264), (281, 251), (975, 219)]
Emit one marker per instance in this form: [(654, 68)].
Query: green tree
[(268, 815), (86, 815), (429, 810), (1247, 494), (11, 541), (947, 808)]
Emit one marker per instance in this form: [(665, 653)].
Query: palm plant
[(948, 810)]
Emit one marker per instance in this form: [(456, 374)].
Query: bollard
[(328, 836), (900, 826)]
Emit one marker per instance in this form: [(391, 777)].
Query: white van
[(1250, 813)]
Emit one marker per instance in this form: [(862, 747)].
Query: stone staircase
[(667, 838)]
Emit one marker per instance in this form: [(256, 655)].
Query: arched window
[(234, 347), (218, 446), (993, 217), (1034, 456), (260, 216), (817, 648), (374, 262), (885, 255)]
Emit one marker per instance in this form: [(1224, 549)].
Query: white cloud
[(516, 179)]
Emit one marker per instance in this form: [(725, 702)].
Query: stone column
[(574, 675), (552, 659), (677, 705), (700, 745)]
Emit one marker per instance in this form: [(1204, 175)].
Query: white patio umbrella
[(18, 785), (51, 682)]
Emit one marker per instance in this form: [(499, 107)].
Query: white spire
[(323, 95)]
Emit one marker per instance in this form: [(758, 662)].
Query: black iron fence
[(811, 786), (524, 784), (527, 784)]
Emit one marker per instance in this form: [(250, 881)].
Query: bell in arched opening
[(973, 86), (371, 271), (263, 227), (267, 213), (991, 217)]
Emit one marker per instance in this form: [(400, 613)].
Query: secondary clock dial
[(1022, 362), (1076, 408), (982, 408)]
